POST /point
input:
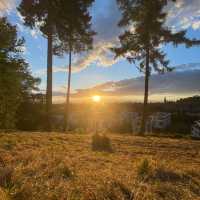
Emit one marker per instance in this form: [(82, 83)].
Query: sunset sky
[(96, 72)]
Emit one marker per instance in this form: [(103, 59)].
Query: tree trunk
[(146, 94), (66, 123), (49, 80)]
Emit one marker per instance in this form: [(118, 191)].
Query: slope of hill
[(57, 166)]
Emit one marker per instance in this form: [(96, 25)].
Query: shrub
[(114, 190), (144, 169), (64, 172), (101, 143), (5, 177)]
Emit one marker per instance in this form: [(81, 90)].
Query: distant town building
[(136, 123), (161, 120), (196, 129), (158, 120)]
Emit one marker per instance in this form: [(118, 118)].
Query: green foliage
[(10, 44), (16, 82), (68, 21), (101, 143), (75, 33), (32, 120), (40, 14)]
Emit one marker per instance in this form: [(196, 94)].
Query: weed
[(143, 169), (64, 172), (5, 177), (101, 143)]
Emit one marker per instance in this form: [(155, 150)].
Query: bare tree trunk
[(146, 94), (49, 80), (66, 123)]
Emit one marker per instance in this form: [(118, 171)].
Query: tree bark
[(49, 80), (67, 108), (146, 94)]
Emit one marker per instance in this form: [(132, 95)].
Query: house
[(196, 129), (136, 122), (161, 120), (155, 121)]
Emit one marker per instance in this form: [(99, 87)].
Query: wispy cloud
[(178, 83), (185, 14), (187, 67), (184, 80), (101, 56), (182, 15)]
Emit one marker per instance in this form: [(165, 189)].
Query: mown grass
[(64, 166)]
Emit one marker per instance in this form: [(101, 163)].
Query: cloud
[(101, 55), (185, 80), (106, 15), (182, 15), (177, 83), (21, 18), (6, 5), (185, 14), (105, 24), (187, 67)]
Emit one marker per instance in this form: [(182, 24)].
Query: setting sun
[(96, 98)]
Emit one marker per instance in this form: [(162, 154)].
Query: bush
[(61, 172), (64, 172), (101, 143), (144, 169), (5, 177), (114, 191)]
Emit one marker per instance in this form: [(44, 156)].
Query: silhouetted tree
[(42, 14), (75, 36), (16, 82), (145, 21)]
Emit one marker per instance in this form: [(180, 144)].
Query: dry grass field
[(63, 166)]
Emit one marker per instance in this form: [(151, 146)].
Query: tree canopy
[(75, 32), (16, 81), (146, 28)]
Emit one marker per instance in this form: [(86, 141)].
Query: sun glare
[(96, 98)]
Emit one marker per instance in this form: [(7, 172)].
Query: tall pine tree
[(75, 35), (145, 21), (44, 14)]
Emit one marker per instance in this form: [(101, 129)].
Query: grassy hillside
[(57, 167)]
